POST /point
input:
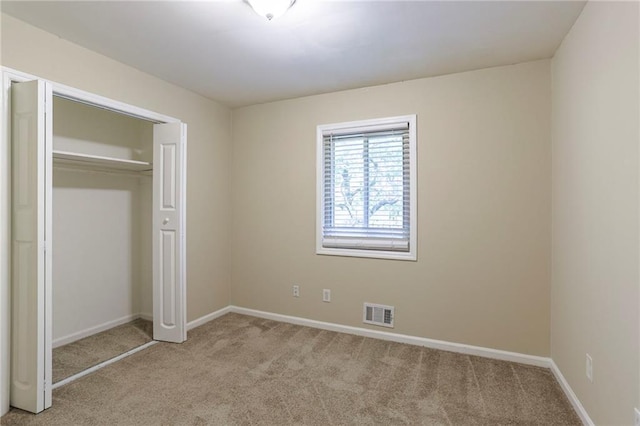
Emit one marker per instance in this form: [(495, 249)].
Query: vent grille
[(378, 315)]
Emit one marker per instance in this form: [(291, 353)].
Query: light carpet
[(239, 370), (76, 357)]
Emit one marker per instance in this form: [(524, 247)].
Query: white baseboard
[(146, 317), (577, 405), (60, 341), (402, 338), (209, 317)]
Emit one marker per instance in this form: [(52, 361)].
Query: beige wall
[(97, 264), (31, 50), (595, 295), (483, 272)]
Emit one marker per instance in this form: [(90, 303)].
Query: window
[(367, 188)]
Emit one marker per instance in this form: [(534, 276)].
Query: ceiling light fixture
[(271, 9)]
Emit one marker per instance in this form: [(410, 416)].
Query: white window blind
[(366, 186)]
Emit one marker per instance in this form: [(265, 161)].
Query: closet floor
[(85, 353)]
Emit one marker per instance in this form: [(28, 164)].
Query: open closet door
[(31, 262), (169, 196)]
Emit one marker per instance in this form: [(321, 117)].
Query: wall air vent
[(378, 314)]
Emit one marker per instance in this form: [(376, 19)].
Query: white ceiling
[(224, 51)]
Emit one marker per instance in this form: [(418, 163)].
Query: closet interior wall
[(102, 218)]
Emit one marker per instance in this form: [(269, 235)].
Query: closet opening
[(96, 233), (102, 286)]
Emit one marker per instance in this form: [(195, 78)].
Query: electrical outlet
[(636, 421), (326, 295), (589, 368), (296, 291)]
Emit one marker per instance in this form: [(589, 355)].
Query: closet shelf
[(75, 158)]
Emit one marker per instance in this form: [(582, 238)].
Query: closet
[(98, 225), (101, 222)]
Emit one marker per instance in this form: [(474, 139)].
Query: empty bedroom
[(320, 212)]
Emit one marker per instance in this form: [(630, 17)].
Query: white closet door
[(169, 268), (31, 231)]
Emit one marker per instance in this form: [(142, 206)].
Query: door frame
[(10, 76)]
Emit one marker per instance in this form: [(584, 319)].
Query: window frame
[(357, 126)]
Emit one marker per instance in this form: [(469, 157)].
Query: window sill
[(374, 254)]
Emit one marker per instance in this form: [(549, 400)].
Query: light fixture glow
[(271, 9)]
